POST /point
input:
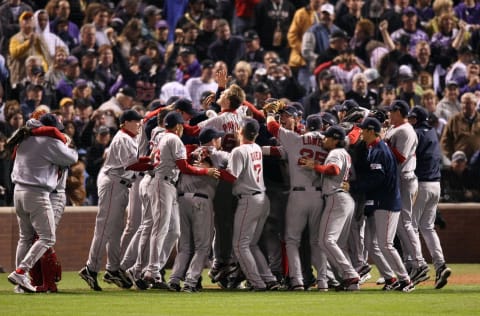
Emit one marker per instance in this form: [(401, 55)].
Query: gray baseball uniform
[(403, 141), (245, 164), (305, 202), (35, 174), (196, 220), (113, 191), (337, 216)]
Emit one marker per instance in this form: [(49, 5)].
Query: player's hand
[(213, 172), (307, 163), (346, 186), (383, 26), (208, 101), (221, 78)]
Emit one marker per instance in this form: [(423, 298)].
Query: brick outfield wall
[(460, 239)]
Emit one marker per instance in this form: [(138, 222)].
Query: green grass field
[(460, 297)]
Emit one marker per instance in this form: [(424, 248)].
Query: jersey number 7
[(258, 169)]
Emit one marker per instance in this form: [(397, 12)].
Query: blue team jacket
[(428, 154), (380, 182)]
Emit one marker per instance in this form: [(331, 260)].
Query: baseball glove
[(18, 136), (273, 107)]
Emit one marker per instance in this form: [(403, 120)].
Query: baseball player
[(339, 206), (114, 182), (424, 209), (305, 201), (245, 171), (48, 271), (402, 139), (35, 174), (195, 199), (382, 206), (172, 155)]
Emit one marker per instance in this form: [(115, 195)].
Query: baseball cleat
[(349, 285), (189, 289), (22, 281), (225, 272), (380, 281), (140, 284), (18, 290), (364, 270), (90, 277), (365, 278), (405, 286), (174, 287), (115, 277), (298, 287), (419, 274), (273, 286), (442, 276), (390, 284)]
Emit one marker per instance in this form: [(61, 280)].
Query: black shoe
[(235, 282), (189, 289), (405, 286), (273, 286), (349, 285), (224, 272), (159, 285), (298, 287), (390, 284), (174, 287), (420, 274), (116, 277), (90, 277), (364, 270), (442, 276), (139, 283), (199, 286)]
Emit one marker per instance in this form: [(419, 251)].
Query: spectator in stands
[(409, 29), (311, 102), (193, 14), (449, 105), (62, 13), (87, 41), (243, 17), (197, 85), (226, 48), (448, 39), (473, 80), (335, 96), (469, 11), (439, 7), (122, 101), (272, 20), (303, 19), (22, 45), (130, 37), (33, 99), (261, 93), (282, 83), (101, 18), (363, 38), (10, 12), (348, 21), (56, 72), (107, 72), (94, 161), (188, 65), (345, 66), (48, 39), (458, 182), (206, 35), (151, 15), (67, 109), (242, 74), (387, 96), (424, 11), (338, 43), (360, 92), (462, 131), (71, 74), (408, 86), (254, 52)]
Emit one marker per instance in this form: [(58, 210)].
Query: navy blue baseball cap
[(328, 118), (350, 104), (250, 127), (172, 119), (401, 106), (185, 105), (419, 113), (290, 110), (130, 115), (49, 119), (314, 122), (371, 123), (335, 132), (208, 134)]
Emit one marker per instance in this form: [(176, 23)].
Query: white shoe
[(17, 289), (365, 278), (380, 281), (21, 280)]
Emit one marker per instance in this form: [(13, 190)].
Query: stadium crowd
[(343, 62)]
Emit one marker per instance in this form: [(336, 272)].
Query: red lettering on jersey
[(312, 140), (256, 155), (230, 127)]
